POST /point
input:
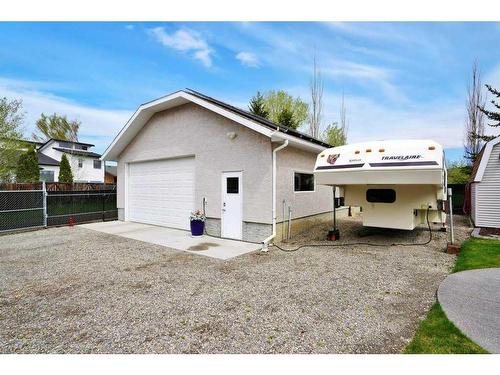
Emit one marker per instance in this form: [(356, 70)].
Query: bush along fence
[(458, 198), (24, 206)]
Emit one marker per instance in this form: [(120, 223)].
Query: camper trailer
[(397, 184)]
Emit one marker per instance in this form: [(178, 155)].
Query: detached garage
[(485, 186), (188, 151)]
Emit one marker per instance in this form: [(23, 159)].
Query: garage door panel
[(161, 192)]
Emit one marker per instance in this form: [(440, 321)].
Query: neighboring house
[(485, 186), (86, 165), (186, 149), (110, 174)]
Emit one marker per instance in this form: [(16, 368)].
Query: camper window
[(381, 195), (303, 182)]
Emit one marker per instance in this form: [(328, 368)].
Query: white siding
[(473, 202), (86, 173), (53, 168), (487, 193)]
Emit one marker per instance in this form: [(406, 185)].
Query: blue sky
[(400, 80)]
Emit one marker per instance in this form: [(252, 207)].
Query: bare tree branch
[(344, 126), (315, 116), (474, 124)]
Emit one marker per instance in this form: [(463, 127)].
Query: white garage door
[(161, 192)]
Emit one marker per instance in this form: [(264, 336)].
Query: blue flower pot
[(197, 227)]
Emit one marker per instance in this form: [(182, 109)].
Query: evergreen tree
[(494, 116), (27, 167), (65, 174), (286, 118), (258, 106)]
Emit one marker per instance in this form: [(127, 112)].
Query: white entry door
[(232, 205)]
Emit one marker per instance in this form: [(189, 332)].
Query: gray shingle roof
[(89, 154), (46, 160)]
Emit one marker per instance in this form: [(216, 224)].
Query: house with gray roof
[(188, 151)]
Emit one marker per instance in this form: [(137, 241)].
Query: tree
[(11, 118), (494, 116), (258, 106), (55, 126), (65, 174), (27, 166), (458, 173), (334, 135), (315, 116), (474, 124), (278, 101), (285, 118), (344, 125)]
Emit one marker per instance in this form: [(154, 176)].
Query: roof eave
[(485, 158), (147, 110)]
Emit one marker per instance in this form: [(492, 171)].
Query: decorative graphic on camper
[(332, 158)]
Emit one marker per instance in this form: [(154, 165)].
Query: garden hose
[(364, 243)]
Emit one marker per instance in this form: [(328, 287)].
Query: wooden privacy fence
[(25, 206)]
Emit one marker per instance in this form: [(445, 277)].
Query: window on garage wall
[(303, 182)]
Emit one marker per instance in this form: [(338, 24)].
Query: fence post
[(44, 192), (450, 202), (103, 206)]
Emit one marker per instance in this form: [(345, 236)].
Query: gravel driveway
[(72, 290)]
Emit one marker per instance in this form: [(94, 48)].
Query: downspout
[(268, 239)]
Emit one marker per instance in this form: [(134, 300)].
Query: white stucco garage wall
[(192, 130), (289, 161)]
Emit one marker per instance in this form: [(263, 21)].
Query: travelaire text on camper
[(401, 157)]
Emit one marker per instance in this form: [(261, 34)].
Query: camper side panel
[(399, 214)]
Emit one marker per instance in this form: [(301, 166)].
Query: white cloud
[(99, 126), (248, 59), (186, 41), (442, 122), (368, 119), (364, 73)]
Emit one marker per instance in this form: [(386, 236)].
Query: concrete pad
[(471, 300), (176, 239)]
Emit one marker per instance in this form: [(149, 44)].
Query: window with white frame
[(65, 144), (80, 163), (303, 182), (97, 164), (47, 176)]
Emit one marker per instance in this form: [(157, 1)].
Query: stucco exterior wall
[(290, 160), (192, 130)]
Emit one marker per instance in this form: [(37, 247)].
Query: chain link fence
[(80, 206), (21, 209), (24, 206)]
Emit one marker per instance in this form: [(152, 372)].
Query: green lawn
[(477, 253), (436, 334)]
